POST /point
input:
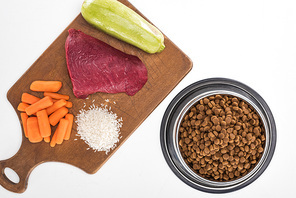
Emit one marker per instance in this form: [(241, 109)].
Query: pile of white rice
[(99, 127)]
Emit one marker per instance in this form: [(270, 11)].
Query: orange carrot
[(22, 106), (53, 141), (54, 100), (56, 95), (55, 117), (58, 104), (47, 139), (70, 118), (28, 98), (33, 130), (69, 104), (41, 104), (48, 86), (61, 131), (24, 118), (43, 122)]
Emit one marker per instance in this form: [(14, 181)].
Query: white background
[(253, 41)]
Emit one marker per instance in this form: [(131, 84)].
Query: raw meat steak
[(95, 66)]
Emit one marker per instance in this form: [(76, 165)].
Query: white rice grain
[(99, 128)]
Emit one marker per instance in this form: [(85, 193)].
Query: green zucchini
[(116, 19)]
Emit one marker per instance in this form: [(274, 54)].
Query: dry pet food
[(221, 137)]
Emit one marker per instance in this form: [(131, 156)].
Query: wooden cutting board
[(165, 71)]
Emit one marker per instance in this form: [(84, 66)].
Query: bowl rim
[(187, 92)]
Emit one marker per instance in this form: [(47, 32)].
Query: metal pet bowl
[(175, 113)]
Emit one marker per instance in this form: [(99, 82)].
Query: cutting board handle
[(22, 170)]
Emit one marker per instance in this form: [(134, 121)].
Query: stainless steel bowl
[(181, 104)]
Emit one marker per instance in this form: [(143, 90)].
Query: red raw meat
[(95, 66)]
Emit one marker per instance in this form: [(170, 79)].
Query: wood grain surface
[(165, 71)]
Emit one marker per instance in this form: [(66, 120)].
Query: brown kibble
[(209, 112), (240, 154), (237, 127), (211, 135), (242, 160), (247, 165), (204, 123), (226, 156), (227, 109), (234, 99), (201, 171), (246, 111), (232, 136), (187, 140), (193, 155), (223, 123), (196, 167), (217, 111), (231, 175), (228, 120), (199, 116), (218, 128), (223, 151), (207, 150), (207, 143), (201, 146), (221, 135), (202, 161), (206, 101), (201, 107), (210, 105), (253, 162), (216, 141), (247, 148), (181, 142), (226, 140), (215, 120), (240, 166), (249, 136), (252, 146)]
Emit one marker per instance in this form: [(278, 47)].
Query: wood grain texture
[(165, 71)]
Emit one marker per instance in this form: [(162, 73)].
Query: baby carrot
[(22, 106), (61, 131), (28, 98), (48, 86), (70, 118), (33, 130), (41, 104), (55, 117), (54, 100), (43, 122), (58, 104), (56, 95), (69, 104), (53, 141), (24, 118), (46, 139)]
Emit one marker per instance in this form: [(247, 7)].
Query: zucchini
[(117, 20)]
